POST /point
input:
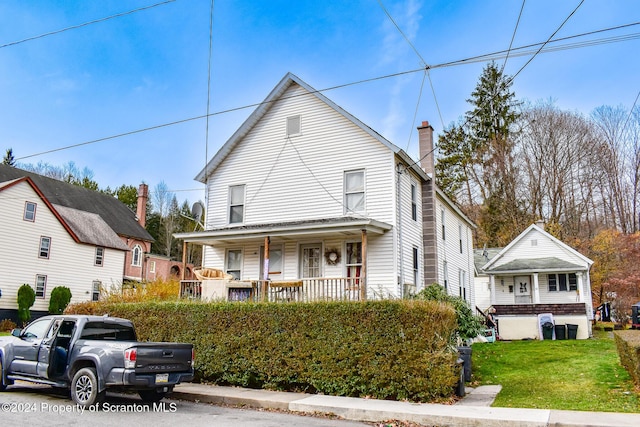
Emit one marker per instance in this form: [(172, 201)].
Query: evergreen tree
[(8, 158)]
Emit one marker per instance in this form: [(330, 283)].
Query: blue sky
[(150, 68)]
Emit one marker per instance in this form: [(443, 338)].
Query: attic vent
[(293, 125), (534, 242)]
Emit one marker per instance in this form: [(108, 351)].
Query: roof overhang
[(345, 227)]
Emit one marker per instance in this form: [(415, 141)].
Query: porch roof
[(344, 226), (534, 265)]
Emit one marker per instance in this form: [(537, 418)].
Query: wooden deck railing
[(304, 290)]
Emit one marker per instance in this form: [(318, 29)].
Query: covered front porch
[(312, 260)]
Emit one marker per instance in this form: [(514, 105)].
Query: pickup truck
[(90, 354)]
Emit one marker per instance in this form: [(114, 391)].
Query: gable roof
[(113, 212), (83, 227), (276, 94), (534, 263)]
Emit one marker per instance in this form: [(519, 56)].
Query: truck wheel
[(3, 386), (84, 388), (151, 396)]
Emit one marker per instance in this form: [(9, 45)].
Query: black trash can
[(561, 332), (572, 331), (547, 331), (464, 353)]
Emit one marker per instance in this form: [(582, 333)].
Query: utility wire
[(548, 40), (478, 58), (424, 63), (415, 112), (515, 30), (95, 21)]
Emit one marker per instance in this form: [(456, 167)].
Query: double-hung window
[(95, 290), (563, 282), (29, 211), (45, 247), (99, 256), (236, 204), (41, 285), (354, 192)]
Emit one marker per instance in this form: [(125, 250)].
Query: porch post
[(536, 289), (580, 296), (184, 259), (265, 268), (492, 286), (363, 271)]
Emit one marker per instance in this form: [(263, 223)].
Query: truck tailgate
[(163, 357)]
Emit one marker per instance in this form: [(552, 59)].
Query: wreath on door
[(332, 256)]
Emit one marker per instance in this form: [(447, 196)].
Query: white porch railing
[(304, 290)]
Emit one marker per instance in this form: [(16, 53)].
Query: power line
[(548, 40), (424, 63), (477, 58), (95, 21), (515, 30)]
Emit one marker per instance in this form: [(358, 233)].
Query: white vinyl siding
[(297, 179), (71, 264)]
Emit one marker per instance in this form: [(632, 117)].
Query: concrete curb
[(463, 414)]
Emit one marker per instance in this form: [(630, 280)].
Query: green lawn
[(580, 375)]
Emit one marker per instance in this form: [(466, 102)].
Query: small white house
[(47, 245), (304, 201), (534, 279)]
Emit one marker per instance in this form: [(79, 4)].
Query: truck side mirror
[(16, 332)]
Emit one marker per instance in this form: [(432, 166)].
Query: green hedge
[(400, 350), (628, 345)]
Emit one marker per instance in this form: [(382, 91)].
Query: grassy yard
[(579, 375)]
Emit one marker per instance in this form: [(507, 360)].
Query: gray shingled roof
[(116, 214), (479, 258), (550, 263), (90, 228)]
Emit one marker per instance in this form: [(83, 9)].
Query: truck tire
[(151, 396), (84, 388), (3, 386)]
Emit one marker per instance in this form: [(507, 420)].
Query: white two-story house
[(304, 201), (46, 245)]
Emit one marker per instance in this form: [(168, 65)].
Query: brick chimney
[(141, 211), (425, 144), (429, 223)]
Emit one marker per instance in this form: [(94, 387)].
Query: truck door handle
[(167, 353)]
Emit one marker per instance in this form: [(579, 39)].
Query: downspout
[(400, 288)]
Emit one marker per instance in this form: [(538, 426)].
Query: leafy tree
[(60, 298), (26, 298), (8, 158)]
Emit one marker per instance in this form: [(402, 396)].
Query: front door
[(522, 289), (310, 260)]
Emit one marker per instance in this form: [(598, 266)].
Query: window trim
[(243, 204), (416, 265), (443, 220), (414, 201), (226, 262), (569, 283), (356, 265), (44, 285), (95, 292), (152, 266), (43, 252), (27, 211), (136, 262), (99, 258), (460, 237), (346, 193)]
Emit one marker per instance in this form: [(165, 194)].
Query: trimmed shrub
[(628, 345), (59, 299), (26, 298), (398, 349), (469, 325)]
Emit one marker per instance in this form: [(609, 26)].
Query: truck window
[(108, 331)]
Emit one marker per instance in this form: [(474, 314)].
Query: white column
[(536, 289), (580, 296), (492, 285)]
